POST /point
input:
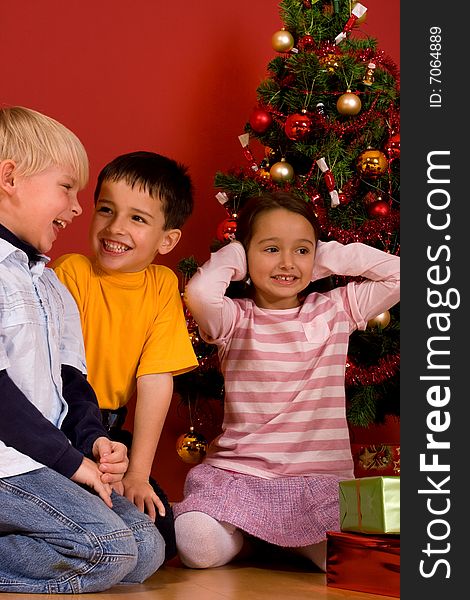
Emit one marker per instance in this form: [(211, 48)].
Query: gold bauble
[(381, 321), (281, 172), (372, 163), (348, 104), (282, 41), (194, 335), (191, 447)]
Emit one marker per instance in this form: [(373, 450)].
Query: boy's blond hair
[(36, 142)]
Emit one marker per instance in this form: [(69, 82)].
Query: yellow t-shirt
[(133, 324)]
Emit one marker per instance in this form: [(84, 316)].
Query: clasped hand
[(106, 471)]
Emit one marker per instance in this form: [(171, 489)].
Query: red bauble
[(343, 198), (298, 126), (226, 230), (260, 120), (306, 44), (393, 147), (378, 209)]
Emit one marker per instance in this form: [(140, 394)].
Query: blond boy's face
[(126, 231), (42, 205)]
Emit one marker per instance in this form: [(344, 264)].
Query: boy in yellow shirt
[(131, 312)]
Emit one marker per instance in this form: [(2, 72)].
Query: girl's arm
[(205, 291), (382, 270)]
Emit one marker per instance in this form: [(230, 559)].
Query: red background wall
[(178, 78)]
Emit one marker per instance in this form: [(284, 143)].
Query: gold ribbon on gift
[(370, 504), (358, 498)]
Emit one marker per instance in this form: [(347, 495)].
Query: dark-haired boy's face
[(126, 231)]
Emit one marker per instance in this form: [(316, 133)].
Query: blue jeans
[(58, 538)]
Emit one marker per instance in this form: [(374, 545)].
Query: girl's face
[(280, 258)]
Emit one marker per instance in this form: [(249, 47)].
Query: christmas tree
[(326, 127)]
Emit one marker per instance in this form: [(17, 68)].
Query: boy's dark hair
[(270, 201), (159, 176)]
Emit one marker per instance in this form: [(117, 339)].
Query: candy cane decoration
[(329, 181), (244, 140), (356, 13)]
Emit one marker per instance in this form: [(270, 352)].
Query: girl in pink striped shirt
[(273, 472)]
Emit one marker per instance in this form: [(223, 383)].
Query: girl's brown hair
[(257, 205)]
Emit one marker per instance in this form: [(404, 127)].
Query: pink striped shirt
[(284, 410)]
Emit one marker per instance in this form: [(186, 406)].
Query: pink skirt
[(286, 511)]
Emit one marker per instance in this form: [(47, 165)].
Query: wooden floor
[(286, 580)]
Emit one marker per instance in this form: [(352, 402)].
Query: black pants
[(113, 420)]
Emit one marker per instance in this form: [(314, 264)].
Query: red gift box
[(363, 563), (372, 460)]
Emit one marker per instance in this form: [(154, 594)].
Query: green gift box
[(370, 504)]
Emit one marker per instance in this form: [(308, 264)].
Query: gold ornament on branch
[(348, 104), (191, 447), (281, 172), (381, 321), (372, 163), (282, 41)]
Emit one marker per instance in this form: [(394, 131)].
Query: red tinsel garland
[(370, 231), (386, 367), (339, 128)]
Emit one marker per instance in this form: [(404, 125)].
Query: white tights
[(204, 542)]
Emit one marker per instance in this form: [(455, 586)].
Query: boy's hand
[(111, 458), (138, 490), (118, 488), (89, 474)]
